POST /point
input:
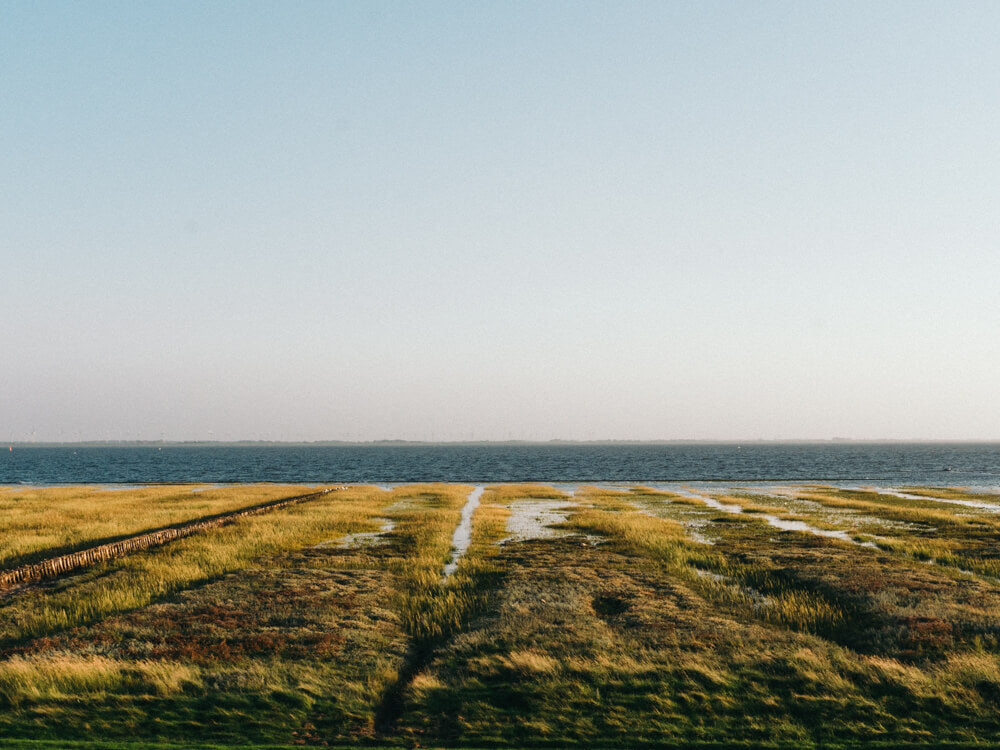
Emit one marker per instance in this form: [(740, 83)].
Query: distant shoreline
[(404, 443)]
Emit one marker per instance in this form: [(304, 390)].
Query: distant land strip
[(392, 442)]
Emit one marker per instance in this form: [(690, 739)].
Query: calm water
[(889, 464)]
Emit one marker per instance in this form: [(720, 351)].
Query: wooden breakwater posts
[(56, 566)]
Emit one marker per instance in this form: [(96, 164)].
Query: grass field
[(631, 617), (42, 522)]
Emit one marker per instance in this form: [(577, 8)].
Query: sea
[(974, 465)]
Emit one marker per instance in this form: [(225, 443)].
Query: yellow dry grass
[(529, 663), (887, 506), (62, 676), (58, 519), (504, 493), (136, 580)]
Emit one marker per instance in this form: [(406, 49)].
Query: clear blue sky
[(499, 220)]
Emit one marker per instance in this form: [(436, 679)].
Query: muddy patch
[(609, 605)]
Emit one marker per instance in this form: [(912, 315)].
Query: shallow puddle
[(405, 505), (361, 538), (462, 537), (533, 519), (788, 525), (569, 489), (693, 518), (778, 523), (786, 497), (695, 535), (978, 504), (717, 577)]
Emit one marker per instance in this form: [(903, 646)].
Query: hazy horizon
[(459, 222), (553, 441)]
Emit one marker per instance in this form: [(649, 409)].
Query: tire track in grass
[(445, 606)]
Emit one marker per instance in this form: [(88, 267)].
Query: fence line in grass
[(56, 566)]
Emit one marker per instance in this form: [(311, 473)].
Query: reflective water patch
[(533, 519), (462, 537), (361, 538)]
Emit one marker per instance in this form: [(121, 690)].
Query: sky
[(493, 221)]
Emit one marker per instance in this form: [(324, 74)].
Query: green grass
[(623, 632), (140, 579)]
